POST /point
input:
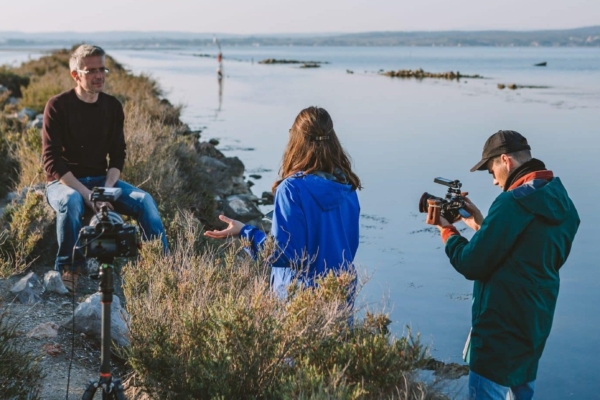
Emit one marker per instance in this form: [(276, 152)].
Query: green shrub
[(206, 325), (42, 88), (22, 227), (20, 373), (12, 81)]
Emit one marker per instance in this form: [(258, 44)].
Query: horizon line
[(297, 33)]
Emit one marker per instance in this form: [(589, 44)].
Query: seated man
[(81, 128)]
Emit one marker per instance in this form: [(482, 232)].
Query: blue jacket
[(315, 226)]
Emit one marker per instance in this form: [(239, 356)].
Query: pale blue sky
[(291, 16)]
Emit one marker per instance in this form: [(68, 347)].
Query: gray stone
[(36, 123), (28, 281), (242, 207), (45, 330), (3, 89), (13, 101), (27, 112), (53, 283), (88, 320), (236, 166), (211, 165), (28, 296)]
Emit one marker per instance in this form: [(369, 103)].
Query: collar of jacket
[(544, 174)]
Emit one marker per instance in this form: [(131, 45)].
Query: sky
[(294, 16)]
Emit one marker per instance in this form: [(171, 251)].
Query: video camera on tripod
[(107, 235)]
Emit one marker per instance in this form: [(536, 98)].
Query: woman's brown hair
[(314, 146)]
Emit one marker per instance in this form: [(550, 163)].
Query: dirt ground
[(56, 353)]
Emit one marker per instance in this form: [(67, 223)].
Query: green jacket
[(514, 260)]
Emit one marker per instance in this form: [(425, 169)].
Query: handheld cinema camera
[(107, 236), (452, 206)]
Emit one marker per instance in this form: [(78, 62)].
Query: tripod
[(111, 388)]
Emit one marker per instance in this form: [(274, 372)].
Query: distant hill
[(587, 37)]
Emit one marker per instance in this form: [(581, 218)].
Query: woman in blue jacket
[(316, 214)]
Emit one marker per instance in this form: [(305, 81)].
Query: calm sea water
[(401, 134)]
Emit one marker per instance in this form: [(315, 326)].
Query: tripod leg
[(90, 391), (118, 390)]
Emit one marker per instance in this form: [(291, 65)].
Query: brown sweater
[(78, 136)]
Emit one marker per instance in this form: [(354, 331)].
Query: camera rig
[(107, 236), (452, 205)]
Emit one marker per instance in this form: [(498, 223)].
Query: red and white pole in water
[(219, 58)]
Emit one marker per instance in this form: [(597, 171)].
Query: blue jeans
[(481, 388), (70, 206)]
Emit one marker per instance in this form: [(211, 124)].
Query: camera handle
[(111, 388)]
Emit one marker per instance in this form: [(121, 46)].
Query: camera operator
[(82, 127), (514, 259), (316, 215)]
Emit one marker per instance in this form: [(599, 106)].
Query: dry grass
[(20, 373), (205, 325)]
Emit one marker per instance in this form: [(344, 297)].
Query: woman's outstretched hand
[(234, 228)]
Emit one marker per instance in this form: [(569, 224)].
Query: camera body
[(107, 236), (452, 206)]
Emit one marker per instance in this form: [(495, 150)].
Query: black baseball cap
[(501, 142)]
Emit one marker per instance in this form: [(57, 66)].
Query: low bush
[(13, 81), (206, 325), (22, 228), (20, 373)]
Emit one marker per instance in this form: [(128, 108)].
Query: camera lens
[(423, 206)]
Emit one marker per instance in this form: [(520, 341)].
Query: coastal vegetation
[(203, 321)]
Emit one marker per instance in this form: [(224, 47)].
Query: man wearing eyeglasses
[(83, 146)]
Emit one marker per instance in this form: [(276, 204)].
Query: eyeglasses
[(93, 71)]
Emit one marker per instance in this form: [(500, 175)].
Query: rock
[(255, 176), (26, 112), (29, 296), (45, 330), (207, 149), (349, 71), (36, 123), (214, 142), (236, 166), (3, 89), (88, 320), (310, 65), (420, 74), (30, 280), (182, 129), (12, 101), (276, 61), (250, 184), (27, 289), (513, 86), (267, 198), (212, 165), (242, 207), (53, 283), (501, 86)]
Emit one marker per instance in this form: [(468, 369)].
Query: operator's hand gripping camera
[(107, 236), (452, 206)]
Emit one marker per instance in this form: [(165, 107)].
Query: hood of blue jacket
[(328, 194), (547, 200)]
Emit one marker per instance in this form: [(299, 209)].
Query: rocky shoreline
[(420, 74), (35, 297), (282, 61)]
